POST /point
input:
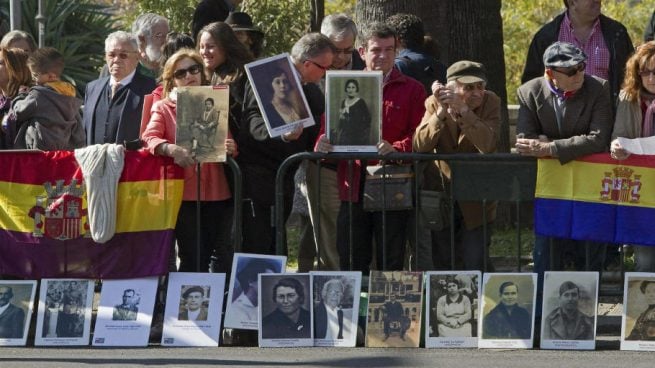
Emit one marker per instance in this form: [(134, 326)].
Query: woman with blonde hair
[(182, 69), (19, 39), (635, 118), (15, 78)]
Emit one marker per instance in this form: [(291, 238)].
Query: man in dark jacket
[(604, 40)]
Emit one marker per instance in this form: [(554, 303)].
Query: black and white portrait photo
[(64, 312), (353, 116), (16, 300), (243, 293), (279, 94), (194, 303), (285, 310), (507, 310), (336, 307), (452, 319), (638, 320), (569, 310)]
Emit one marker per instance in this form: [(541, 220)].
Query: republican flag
[(44, 229), (597, 198)]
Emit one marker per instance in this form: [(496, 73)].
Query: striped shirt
[(598, 55)]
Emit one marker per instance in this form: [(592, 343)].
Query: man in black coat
[(12, 318)]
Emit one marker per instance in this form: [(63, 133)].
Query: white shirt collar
[(125, 81), (3, 309)]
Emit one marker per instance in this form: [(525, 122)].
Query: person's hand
[(533, 147), (617, 152), (385, 148), (180, 155), (324, 145), (294, 134), (230, 146)]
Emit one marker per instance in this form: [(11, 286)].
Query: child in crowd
[(48, 116)]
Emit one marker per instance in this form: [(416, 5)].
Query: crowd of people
[(584, 84)]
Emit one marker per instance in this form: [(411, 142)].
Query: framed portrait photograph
[(508, 304), (194, 304), (453, 309), (243, 293), (336, 307), (570, 301), (638, 319), (279, 94), (64, 314), (16, 307), (353, 110), (202, 121), (285, 310), (125, 312), (395, 302)]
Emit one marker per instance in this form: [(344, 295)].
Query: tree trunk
[(463, 29), (317, 14)]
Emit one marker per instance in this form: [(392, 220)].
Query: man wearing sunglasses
[(113, 104), (564, 114)]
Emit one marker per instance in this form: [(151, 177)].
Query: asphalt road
[(317, 357)]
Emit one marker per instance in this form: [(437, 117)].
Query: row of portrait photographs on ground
[(463, 309), (353, 103)]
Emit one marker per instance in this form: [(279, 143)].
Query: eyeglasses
[(193, 70), (344, 51), (325, 68), (569, 72), (121, 55), (646, 73)]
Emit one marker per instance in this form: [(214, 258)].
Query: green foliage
[(283, 22), (523, 18), (340, 6), (77, 28), (178, 12)]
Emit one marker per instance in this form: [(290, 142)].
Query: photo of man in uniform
[(567, 322), (128, 310)]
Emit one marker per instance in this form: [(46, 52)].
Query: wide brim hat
[(466, 71), (240, 21)]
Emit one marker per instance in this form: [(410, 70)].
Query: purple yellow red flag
[(43, 217), (597, 198)]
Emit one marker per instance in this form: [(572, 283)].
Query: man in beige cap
[(460, 117)]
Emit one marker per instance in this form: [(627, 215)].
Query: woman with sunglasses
[(635, 118), (183, 69)]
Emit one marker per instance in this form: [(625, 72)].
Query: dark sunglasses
[(325, 68), (569, 72), (646, 73), (181, 73)]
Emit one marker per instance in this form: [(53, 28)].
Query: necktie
[(340, 318), (115, 87)]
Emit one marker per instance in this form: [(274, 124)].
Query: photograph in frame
[(202, 121), (242, 299), (16, 308), (395, 302), (453, 309), (285, 310), (353, 110), (194, 304), (279, 94), (64, 313), (507, 310), (638, 319), (336, 307), (569, 311), (125, 312)]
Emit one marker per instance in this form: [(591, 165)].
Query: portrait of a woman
[(354, 127), (454, 312)]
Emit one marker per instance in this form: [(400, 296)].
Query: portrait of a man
[(394, 317), (289, 319), (507, 320), (331, 320), (128, 309), (193, 308), (12, 317), (567, 321), (244, 307)]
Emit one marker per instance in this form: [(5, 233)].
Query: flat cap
[(465, 71), (563, 55)]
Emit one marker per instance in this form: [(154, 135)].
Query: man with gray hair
[(262, 155), (342, 31), (113, 104), (150, 31), (331, 320)]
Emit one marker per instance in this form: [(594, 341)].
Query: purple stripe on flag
[(126, 255)]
